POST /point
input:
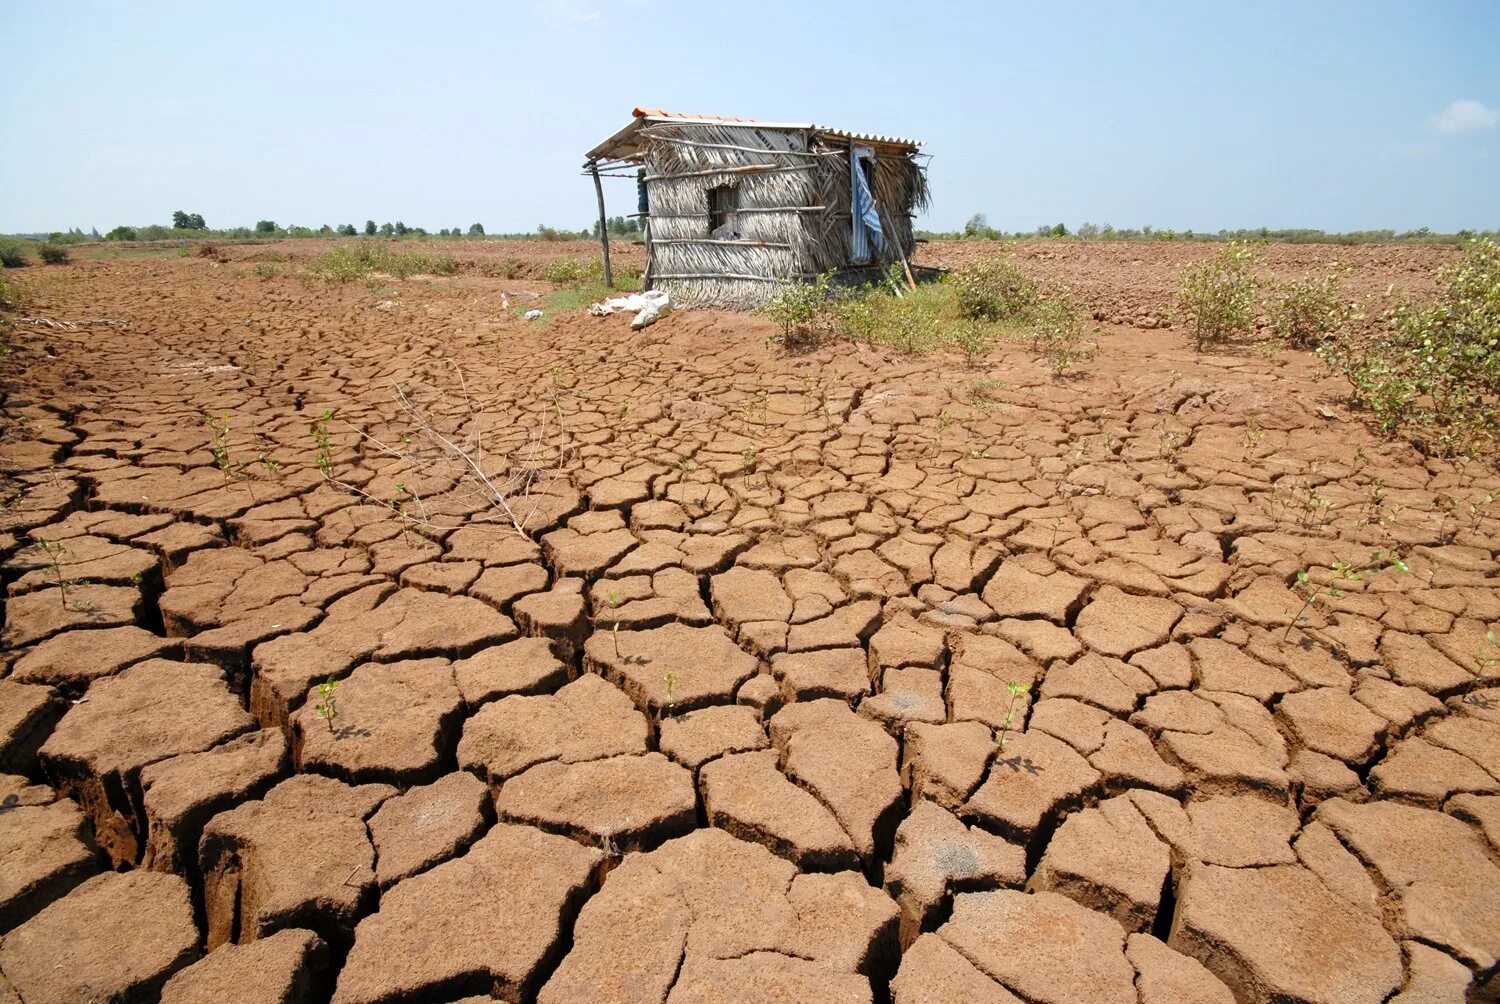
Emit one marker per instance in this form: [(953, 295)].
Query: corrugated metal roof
[(614, 146)]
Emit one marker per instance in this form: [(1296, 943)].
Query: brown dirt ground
[(730, 719)]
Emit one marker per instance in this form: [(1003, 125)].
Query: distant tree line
[(185, 224), (978, 228)]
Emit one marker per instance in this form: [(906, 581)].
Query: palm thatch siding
[(783, 203)]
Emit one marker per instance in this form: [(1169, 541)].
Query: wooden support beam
[(609, 279)]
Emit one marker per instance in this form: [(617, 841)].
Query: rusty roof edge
[(647, 115)]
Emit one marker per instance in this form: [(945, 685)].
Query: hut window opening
[(723, 200)]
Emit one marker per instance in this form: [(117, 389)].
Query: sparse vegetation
[(1308, 310), (1218, 295), (362, 259), (53, 254), (671, 681), (1058, 331), (1340, 574), (1433, 370)]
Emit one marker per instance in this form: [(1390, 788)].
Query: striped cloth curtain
[(866, 218)]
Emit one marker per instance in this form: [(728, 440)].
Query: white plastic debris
[(648, 307), (532, 315)]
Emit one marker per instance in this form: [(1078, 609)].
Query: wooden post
[(609, 279)]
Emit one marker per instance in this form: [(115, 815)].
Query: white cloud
[(566, 12), (1465, 116)]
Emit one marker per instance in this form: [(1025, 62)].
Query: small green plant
[(323, 443), (53, 552), (994, 289), (1341, 573), (1058, 334), (913, 325), (748, 455), (397, 504), (1017, 691), (1308, 310), (1218, 294), (974, 340), (799, 310), (270, 464), (327, 707), (671, 681), (219, 446), (53, 254)]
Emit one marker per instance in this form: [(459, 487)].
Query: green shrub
[(351, 262), (1308, 310), (567, 272), (12, 253), (974, 340), (1218, 294), (53, 254), (509, 268), (800, 309), (993, 289), (1433, 369), (121, 234), (855, 312), (10, 294), (911, 325), (1058, 334)]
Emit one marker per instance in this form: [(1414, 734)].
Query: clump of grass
[(994, 289), (53, 254), (1218, 294)]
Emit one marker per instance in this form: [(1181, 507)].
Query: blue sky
[(1186, 115)]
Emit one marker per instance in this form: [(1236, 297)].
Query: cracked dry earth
[(723, 725)]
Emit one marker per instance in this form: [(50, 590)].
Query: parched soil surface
[(847, 676)]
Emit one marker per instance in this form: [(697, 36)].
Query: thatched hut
[(733, 207)]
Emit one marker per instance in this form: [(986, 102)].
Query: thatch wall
[(792, 208)]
